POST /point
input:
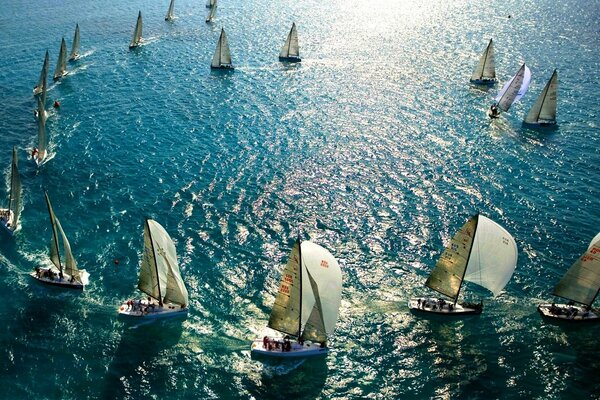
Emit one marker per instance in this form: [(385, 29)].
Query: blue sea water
[(375, 146)]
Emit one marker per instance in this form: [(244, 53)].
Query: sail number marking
[(288, 278), (324, 264), (284, 288)]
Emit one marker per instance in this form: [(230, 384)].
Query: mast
[(160, 302), (467, 263), (54, 233), (300, 273)]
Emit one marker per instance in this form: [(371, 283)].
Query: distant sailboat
[(512, 92), (137, 33), (481, 252), (290, 52), (9, 217), (170, 15), (43, 75), (543, 112), (210, 3), (212, 12), (306, 306), (61, 64), (75, 49), (64, 273), (485, 72), (222, 57), (581, 284), (159, 278), (41, 153)]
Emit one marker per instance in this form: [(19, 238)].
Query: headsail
[(137, 32), (54, 249), (14, 201), (222, 56), (514, 89), (169, 16), (486, 69), (544, 108), (61, 64), (70, 264), (581, 283), (290, 47), (75, 48)]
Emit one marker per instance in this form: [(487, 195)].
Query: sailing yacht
[(61, 64), (159, 278), (210, 3), (481, 252), (64, 272), (43, 75), (41, 153), (137, 33), (485, 72), (307, 305), (290, 52), (222, 57), (169, 17), (75, 49), (543, 112), (511, 92), (9, 217), (581, 285), (212, 12)]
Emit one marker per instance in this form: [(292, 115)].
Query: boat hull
[(568, 313), (64, 283), (483, 81), (540, 124), (227, 67), (37, 90), (142, 309), (6, 224), (290, 59), (297, 350), (60, 76), (441, 307)]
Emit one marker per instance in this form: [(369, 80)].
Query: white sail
[(594, 240), (222, 56), (170, 16), (137, 32), (41, 131), (544, 108), (61, 64), (290, 47), (212, 12), (486, 69), (493, 256), (325, 283), (581, 283), (70, 264), (54, 250), (75, 49), (14, 200), (513, 90), (43, 75)]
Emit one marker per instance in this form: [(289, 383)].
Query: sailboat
[(75, 49), (543, 112), (61, 64), (485, 72), (511, 92), (222, 57), (212, 12), (43, 75), (290, 52), (306, 306), (9, 217), (581, 284), (137, 33), (63, 273), (481, 252), (40, 155), (170, 15), (159, 278), (210, 3)]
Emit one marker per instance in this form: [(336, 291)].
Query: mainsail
[(169, 16), (222, 56), (514, 89), (41, 131), (43, 74), (61, 64), (14, 199), (486, 69), (212, 12), (210, 3), (481, 252), (159, 273), (581, 283), (137, 32), (544, 108), (75, 48), (290, 47)]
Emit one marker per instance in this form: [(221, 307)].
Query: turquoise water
[(374, 146)]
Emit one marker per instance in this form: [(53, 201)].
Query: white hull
[(565, 312), (297, 350), (150, 310), (41, 275), (7, 223), (60, 76), (441, 307)]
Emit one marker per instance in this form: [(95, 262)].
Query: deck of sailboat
[(144, 309), (484, 81), (432, 305), (5, 222), (297, 350), (63, 283), (290, 59), (568, 313)]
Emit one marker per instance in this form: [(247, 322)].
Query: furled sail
[(75, 48), (169, 16), (61, 64), (581, 283), (137, 32), (513, 90), (486, 69), (290, 47), (14, 203), (222, 55), (544, 108)]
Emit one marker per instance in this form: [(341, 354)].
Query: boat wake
[(86, 54), (149, 40)]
